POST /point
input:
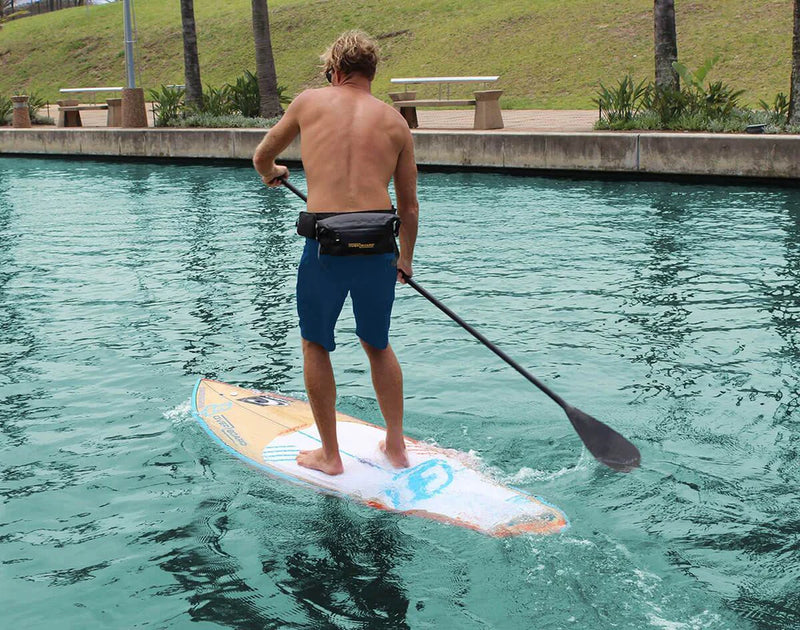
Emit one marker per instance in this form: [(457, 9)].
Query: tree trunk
[(265, 63), (666, 44), (191, 62), (794, 97)]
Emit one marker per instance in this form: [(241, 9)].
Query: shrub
[(778, 112), (35, 103), (244, 95), (698, 106), (665, 103), (168, 105), (713, 99), (6, 109), (232, 105), (622, 103), (216, 102), (210, 121)]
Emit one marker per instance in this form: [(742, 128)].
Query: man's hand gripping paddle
[(607, 446)]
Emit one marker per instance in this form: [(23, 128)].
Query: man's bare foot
[(318, 461), (397, 457)]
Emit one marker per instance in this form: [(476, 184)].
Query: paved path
[(514, 119)]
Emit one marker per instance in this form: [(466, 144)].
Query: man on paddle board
[(352, 146)]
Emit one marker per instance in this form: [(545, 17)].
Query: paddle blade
[(608, 446)]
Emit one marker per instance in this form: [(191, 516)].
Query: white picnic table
[(90, 90), (486, 102), (443, 81), (69, 111)]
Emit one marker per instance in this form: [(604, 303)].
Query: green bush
[(210, 121), (622, 103), (778, 112), (35, 103), (700, 105), (665, 104), (168, 105), (244, 95), (6, 109), (231, 105)]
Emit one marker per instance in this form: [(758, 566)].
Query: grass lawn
[(549, 53)]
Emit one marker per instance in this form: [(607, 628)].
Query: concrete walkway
[(514, 119)]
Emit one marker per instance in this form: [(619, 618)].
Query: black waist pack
[(351, 233)]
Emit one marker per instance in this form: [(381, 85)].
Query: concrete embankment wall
[(658, 154)]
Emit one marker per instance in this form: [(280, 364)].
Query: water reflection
[(272, 291), (203, 271), (784, 299), (350, 571), (337, 570), (658, 298)]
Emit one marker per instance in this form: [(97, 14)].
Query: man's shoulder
[(309, 95), (391, 113)]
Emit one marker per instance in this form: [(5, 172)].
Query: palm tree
[(191, 62), (265, 63), (794, 97), (666, 44)]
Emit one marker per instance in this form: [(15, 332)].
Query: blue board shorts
[(323, 283)]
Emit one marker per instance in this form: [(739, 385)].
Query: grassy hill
[(549, 53)]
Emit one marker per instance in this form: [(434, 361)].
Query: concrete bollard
[(134, 113), (22, 117)]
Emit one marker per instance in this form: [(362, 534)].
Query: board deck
[(267, 430)]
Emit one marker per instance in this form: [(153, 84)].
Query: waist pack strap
[(306, 223)]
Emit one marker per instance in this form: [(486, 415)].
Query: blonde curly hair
[(353, 51)]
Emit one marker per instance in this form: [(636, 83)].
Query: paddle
[(607, 446)]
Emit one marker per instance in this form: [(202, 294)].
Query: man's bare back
[(351, 143)]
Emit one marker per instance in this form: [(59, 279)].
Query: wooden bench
[(486, 102), (69, 111)]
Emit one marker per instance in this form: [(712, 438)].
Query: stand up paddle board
[(268, 430)]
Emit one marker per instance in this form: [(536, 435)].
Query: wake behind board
[(268, 430)]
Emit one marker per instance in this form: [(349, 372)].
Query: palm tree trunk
[(191, 62), (794, 97), (666, 44), (265, 63)]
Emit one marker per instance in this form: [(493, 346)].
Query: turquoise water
[(671, 312)]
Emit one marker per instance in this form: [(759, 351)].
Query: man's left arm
[(274, 143)]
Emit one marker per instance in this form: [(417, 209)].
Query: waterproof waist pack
[(351, 233)]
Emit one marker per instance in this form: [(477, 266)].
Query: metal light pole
[(133, 109), (129, 63)]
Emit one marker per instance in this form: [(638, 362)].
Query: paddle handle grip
[(555, 397)]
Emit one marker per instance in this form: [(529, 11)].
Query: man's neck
[(357, 81)]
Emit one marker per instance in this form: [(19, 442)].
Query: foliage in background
[(168, 104), (229, 121), (621, 104), (778, 111), (232, 105), (244, 95), (712, 99), (35, 103), (700, 105), (6, 109)]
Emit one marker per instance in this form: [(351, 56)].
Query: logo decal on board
[(421, 482), (262, 400)]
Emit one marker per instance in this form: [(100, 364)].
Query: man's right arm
[(275, 142), (405, 187)]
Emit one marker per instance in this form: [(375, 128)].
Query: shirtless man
[(352, 146)]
